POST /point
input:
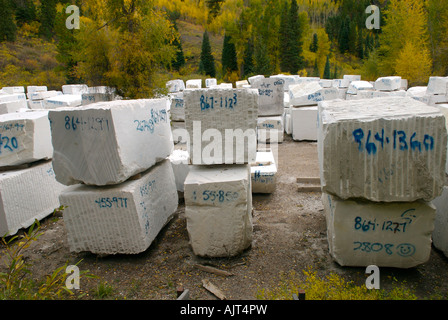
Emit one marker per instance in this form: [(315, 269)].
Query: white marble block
[(357, 86), (388, 83), (209, 82), (363, 233), (175, 85), (418, 93), (75, 89), (13, 90), (63, 100), (123, 218), (241, 83), (41, 95), (437, 85), (108, 142), (12, 106), (271, 94), (351, 77), (27, 194), (31, 89), (180, 161), (440, 234), (177, 110), (12, 97), (255, 78), (221, 124), (310, 93), (179, 132), (263, 173), (341, 83), (304, 123), (367, 94), (24, 137), (193, 84), (218, 209), (383, 149), (270, 129)]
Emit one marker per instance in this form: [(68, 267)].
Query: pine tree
[(248, 67), (47, 18), (291, 38), (316, 69), (314, 44), (8, 27), (25, 12), (327, 70), (261, 57), (179, 61), (229, 62), (207, 61)]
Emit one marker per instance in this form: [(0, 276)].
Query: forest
[(138, 45)]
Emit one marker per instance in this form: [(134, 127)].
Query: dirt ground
[(289, 234)]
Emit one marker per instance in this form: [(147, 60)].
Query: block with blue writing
[(270, 129), (177, 110), (271, 95), (362, 233), (25, 137), (27, 194), (63, 100), (175, 85), (383, 149), (123, 218), (310, 93), (357, 86), (221, 125), (388, 83), (264, 173), (218, 209), (108, 142)]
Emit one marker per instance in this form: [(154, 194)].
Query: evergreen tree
[(25, 12), (316, 69), (344, 35), (261, 57), (179, 61), (47, 16), (8, 27), (327, 70), (291, 37), (207, 61), (314, 44), (248, 68), (360, 45), (229, 62)]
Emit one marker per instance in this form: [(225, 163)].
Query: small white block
[(388, 83), (304, 123), (13, 90), (180, 161), (193, 84), (310, 93), (352, 77), (123, 218), (270, 129), (437, 85), (63, 100), (356, 86), (271, 94), (12, 106), (75, 89), (241, 83), (263, 173), (209, 82), (175, 85)]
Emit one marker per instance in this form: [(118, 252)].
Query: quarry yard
[(289, 234)]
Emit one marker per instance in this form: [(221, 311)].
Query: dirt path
[(289, 234)]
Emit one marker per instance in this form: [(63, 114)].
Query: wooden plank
[(213, 289)]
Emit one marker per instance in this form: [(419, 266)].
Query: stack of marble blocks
[(303, 99), (28, 188), (12, 99), (177, 112), (113, 156), (270, 126), (382, 162), (217, 189)]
